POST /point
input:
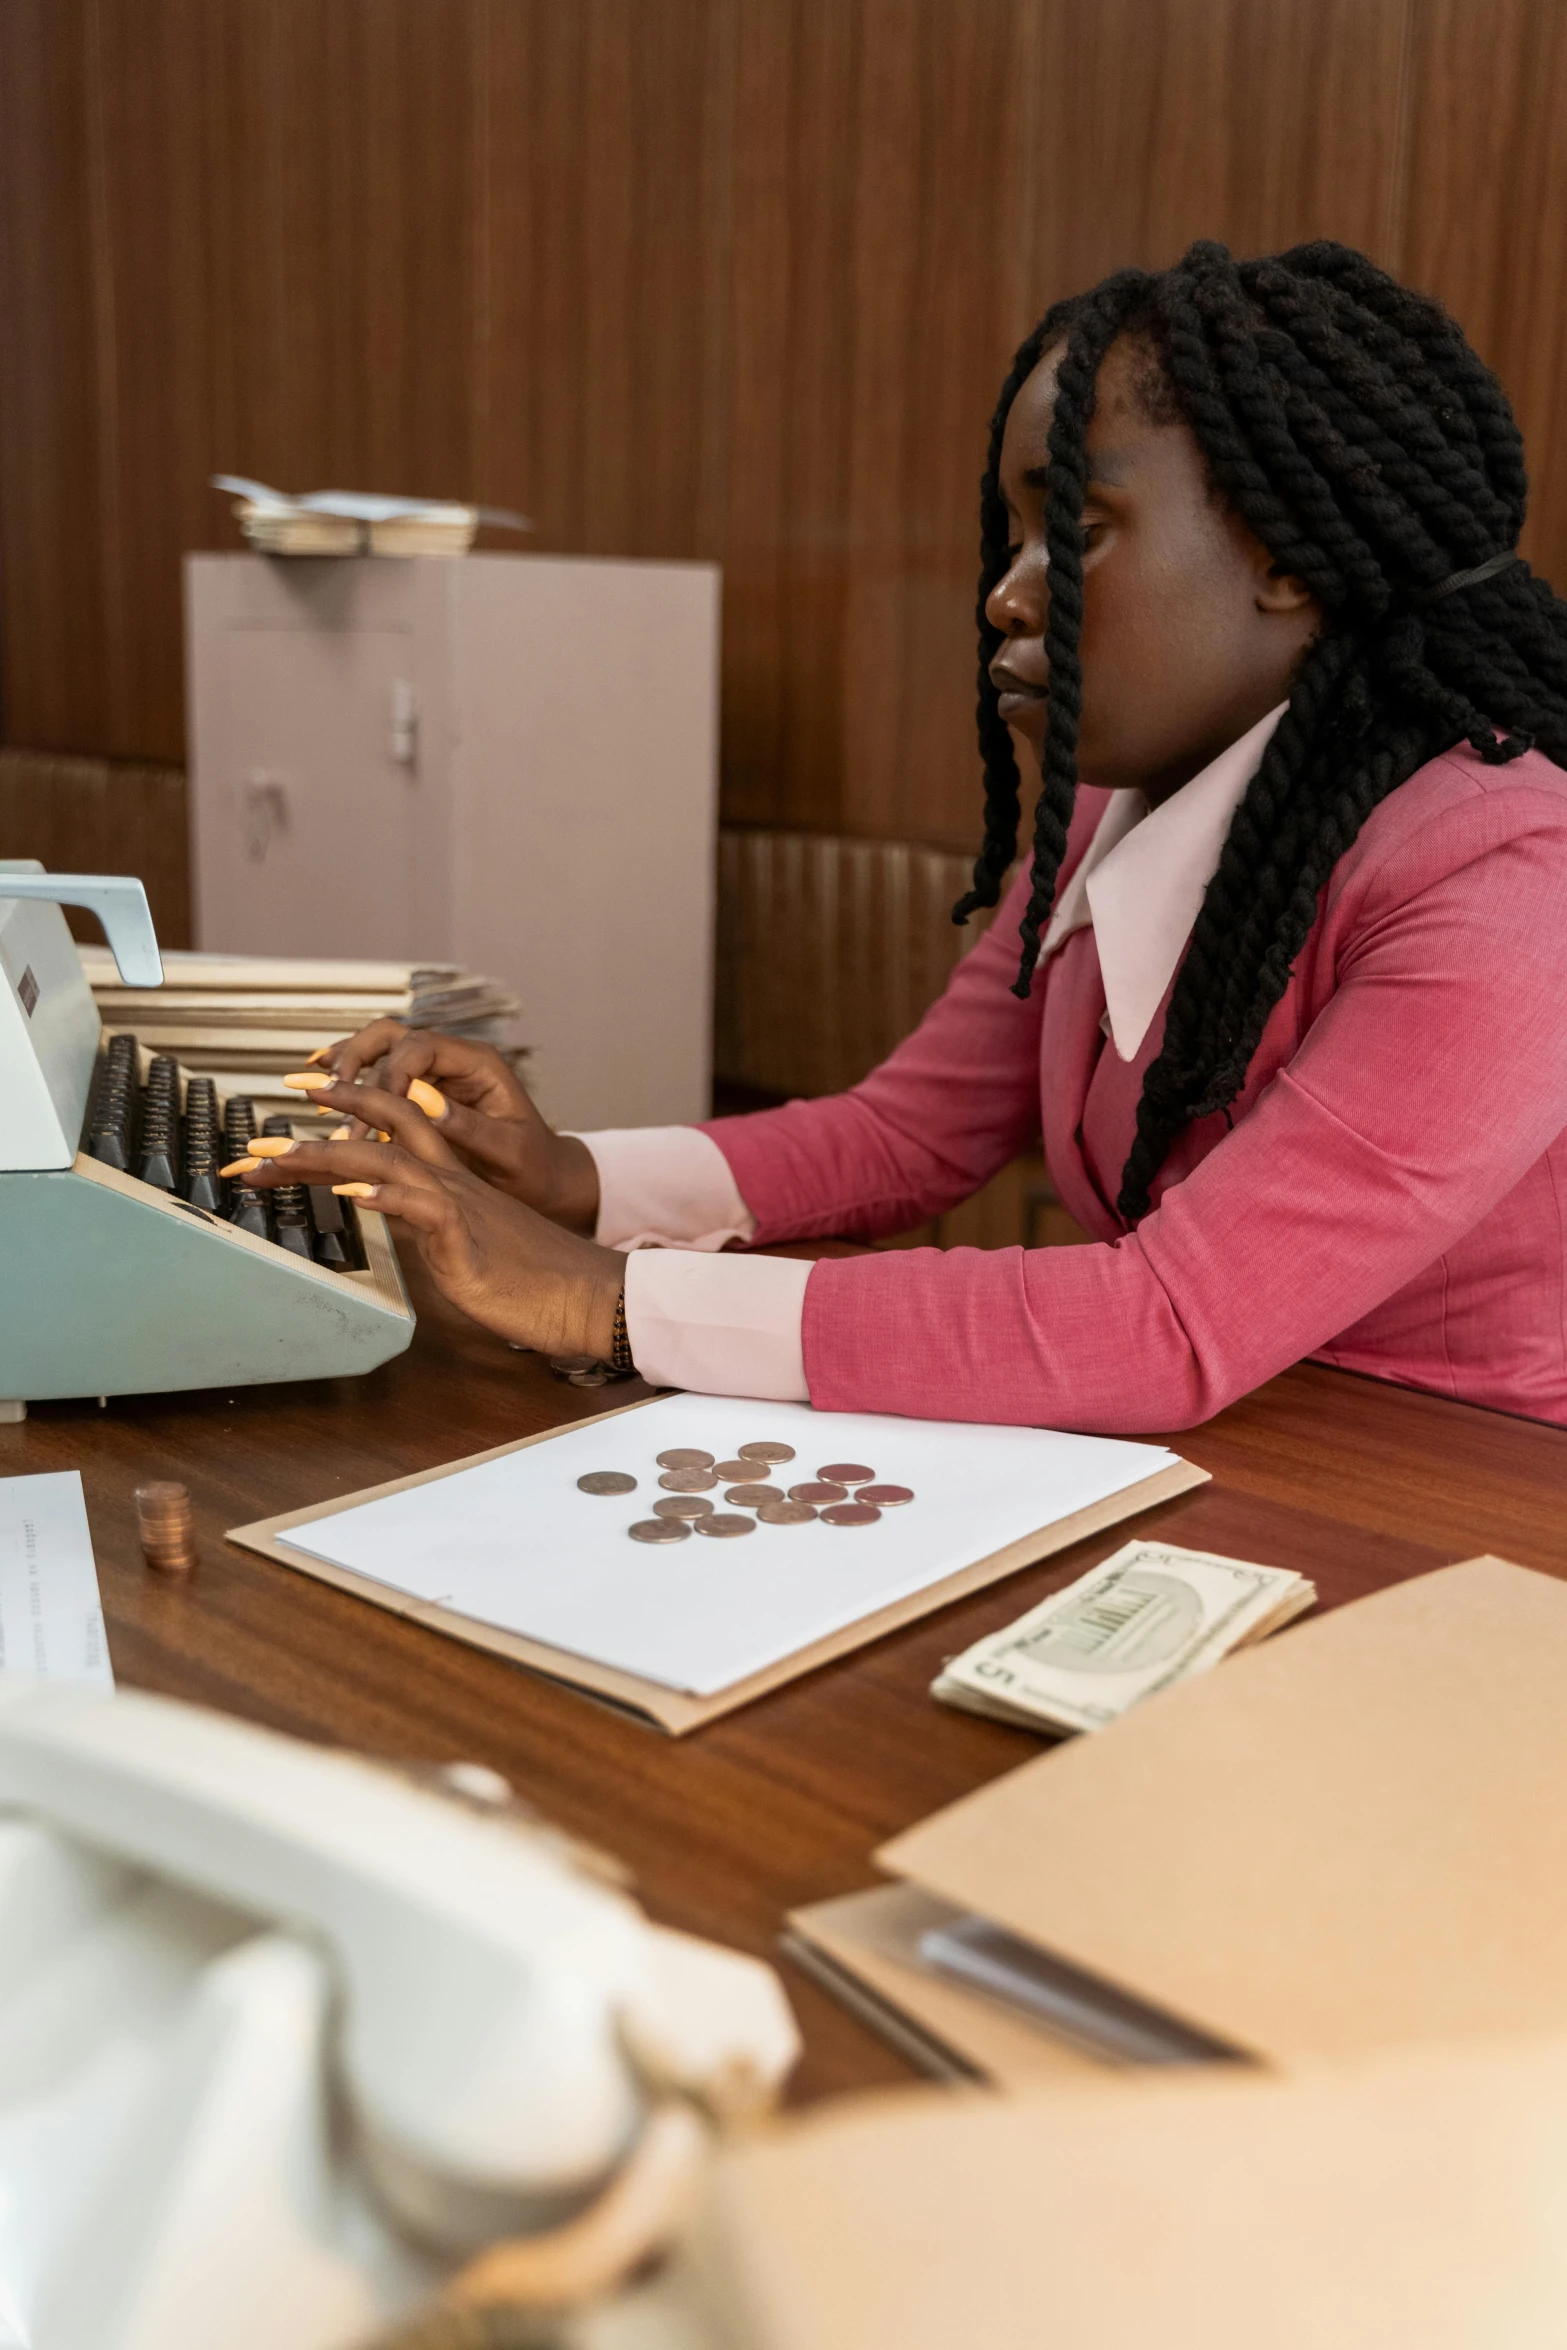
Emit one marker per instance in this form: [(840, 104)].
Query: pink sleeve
[(720, 1325), (665, 1187), (1433, 1080), (950, 1107)]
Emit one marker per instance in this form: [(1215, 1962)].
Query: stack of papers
[(356, 522), (246, 1020)]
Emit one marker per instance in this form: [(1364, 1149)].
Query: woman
[(1291, 1009)]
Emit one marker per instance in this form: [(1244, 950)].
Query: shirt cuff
[(720, 1325), (665, 1187)]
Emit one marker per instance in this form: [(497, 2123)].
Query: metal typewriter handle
[(120, 903)]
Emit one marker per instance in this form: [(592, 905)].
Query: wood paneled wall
[(729, 278)]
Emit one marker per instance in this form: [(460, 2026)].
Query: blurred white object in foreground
[(285, 2035)]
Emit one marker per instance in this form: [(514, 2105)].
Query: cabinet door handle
[(263, 812), (404, 739)]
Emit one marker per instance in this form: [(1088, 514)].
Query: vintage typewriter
[(127, 1265)]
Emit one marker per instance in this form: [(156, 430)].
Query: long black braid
[(1348, 423)]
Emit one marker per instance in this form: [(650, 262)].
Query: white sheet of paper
[(513, 1543), (51, 1619)]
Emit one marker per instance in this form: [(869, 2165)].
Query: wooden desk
[(1353, 1483)]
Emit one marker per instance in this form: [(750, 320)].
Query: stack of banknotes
[(1150, 1615)]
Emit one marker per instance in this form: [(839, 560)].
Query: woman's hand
[(482, 1111), (510, 1268)]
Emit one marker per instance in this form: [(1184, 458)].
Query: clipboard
[(672, 1710)]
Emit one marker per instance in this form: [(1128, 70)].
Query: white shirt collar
[(1141, 880)]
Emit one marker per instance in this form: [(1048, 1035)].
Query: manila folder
[(1406, 2202), (1344, 1839)]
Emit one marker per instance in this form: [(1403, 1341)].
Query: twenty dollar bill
[(1150, 1615)]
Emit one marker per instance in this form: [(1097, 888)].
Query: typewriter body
[(127, 1266)]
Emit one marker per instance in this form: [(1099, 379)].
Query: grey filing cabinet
[(506, 761)]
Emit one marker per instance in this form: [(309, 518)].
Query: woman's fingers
[(353, 1053), (405, 1120), (474, 1074)]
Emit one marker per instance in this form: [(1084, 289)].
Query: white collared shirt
[(730, 1325), (1141, 880)]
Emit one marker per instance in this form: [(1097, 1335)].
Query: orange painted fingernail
[(340, 1134), (379, 1134), (309, 1080), (429, 1100), (321, 1053), (271, 1146), (240, 1167), (356, 1190)]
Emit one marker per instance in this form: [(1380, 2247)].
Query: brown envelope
[(1348, 1838), (1413, 2199)]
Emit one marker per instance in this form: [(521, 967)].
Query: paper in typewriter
[(512, 1543), (51, 1621)]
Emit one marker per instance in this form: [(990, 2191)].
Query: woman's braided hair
[(1347, 422)]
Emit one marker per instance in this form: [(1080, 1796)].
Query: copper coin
[(818, 1492), (846, 1473), (683, 1505), (785, 1513), (765, 1452), (606, 1481), (751, 1497), (885, 1497), (659, 1530), (736, 1472), (851, 1513), (688, 1480), (723, 1525), (684, 1458)]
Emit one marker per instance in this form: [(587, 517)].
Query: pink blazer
[(1392, 1198)]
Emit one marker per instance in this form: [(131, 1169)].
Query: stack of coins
[(167, 1527), (585, 1370)]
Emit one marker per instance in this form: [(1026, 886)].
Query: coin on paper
[(765, 1452), (846, 1473), (688, 1480), (683, 1505), (735, 1472), (786, 1513), (724, 1525), (660, 1530), (606, 1481), (885, 1497), (818, 1492), (850, 1513), (683, 1457), (751, 1497)]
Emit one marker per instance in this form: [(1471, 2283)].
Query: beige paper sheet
[(1349, 1838), (670, 1709)]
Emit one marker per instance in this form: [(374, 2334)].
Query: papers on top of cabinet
[(51, 1620), (512, 1542)]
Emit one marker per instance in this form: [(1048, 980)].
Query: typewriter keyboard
[(145, 1130)]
